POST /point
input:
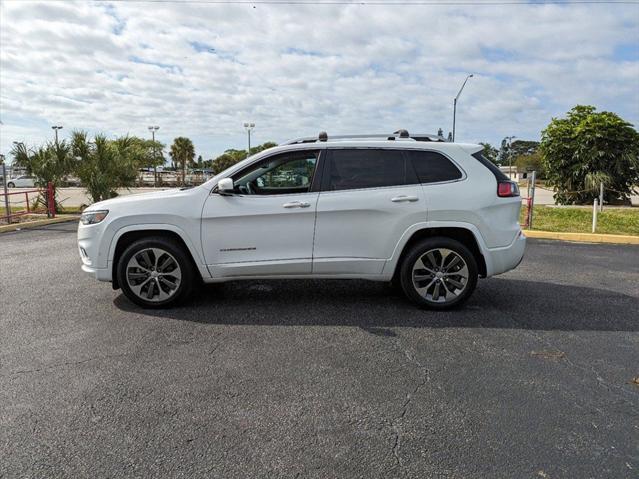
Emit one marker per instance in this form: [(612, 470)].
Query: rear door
[(369, 197)]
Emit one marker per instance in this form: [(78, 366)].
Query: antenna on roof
[(323, 136)]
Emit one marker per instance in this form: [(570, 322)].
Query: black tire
[(181, 257), (11, 184), (417, 252)]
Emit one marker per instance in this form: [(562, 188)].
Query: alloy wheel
[(440, 275), (153, 274)]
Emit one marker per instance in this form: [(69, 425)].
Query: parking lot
[(533, 378)]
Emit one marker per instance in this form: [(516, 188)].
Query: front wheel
[(11, 184), (439, 273), (155, 272)]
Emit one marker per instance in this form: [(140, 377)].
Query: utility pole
[(249, 127), (56, 128), (153, 129), (455, 103), (509, 139)]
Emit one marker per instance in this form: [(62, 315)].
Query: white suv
[(428, 215)]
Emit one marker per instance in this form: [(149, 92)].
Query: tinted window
[(432, 167), (288, 173), (491, 166), (294, 173), (365, 168)]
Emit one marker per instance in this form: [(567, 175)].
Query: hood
[(134, 198)]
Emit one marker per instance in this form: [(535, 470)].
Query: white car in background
[(428, 215), (24, 181)]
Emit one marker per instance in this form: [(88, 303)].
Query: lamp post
[(153, 129), (509, 139), (455, 103), (249, 127), (56, 128)]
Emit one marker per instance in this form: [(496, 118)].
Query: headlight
[(93, 217)]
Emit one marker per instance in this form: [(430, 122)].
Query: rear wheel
[(155, 272), (439, 273)]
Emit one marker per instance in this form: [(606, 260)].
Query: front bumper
[(94, 261), (101, 274)]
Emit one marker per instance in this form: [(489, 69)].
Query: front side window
[(288, 173), (365, 168), (433, 167)]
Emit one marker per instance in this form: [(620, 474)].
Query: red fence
[(44, 202)]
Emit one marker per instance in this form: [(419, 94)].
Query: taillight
[(507, 189)]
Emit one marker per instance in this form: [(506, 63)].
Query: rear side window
[(365, 168), (433, 167), (491, 166)]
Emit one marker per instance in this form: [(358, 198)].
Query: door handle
[(400, 199), (296, 204)]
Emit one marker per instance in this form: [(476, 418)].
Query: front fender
[(194, 249)]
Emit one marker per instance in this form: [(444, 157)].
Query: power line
[(438, 3)]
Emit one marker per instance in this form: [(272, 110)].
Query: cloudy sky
[(200, 69)]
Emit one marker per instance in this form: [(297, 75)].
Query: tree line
[(104, 165), (575, 155)]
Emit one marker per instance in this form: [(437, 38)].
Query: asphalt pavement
[(320, 379)]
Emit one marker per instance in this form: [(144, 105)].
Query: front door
[(267, 225)]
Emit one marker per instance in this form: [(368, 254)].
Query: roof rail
[(399, 134)]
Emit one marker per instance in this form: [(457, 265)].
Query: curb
[(582, 237), (37, 223)]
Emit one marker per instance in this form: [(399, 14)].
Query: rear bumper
[(500, 260)]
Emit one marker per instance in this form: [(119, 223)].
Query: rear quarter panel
[(474, 200)]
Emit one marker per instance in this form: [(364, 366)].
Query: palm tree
[(48, 163), (22, 157), (182, 153), (104, 165)]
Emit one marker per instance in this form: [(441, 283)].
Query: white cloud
[(202, 69)]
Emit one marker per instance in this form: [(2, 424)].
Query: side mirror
[(225, 185)]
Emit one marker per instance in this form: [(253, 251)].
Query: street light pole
[(56, 128), (509, 139), (249, 127), (455, 103), (153, 129)]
